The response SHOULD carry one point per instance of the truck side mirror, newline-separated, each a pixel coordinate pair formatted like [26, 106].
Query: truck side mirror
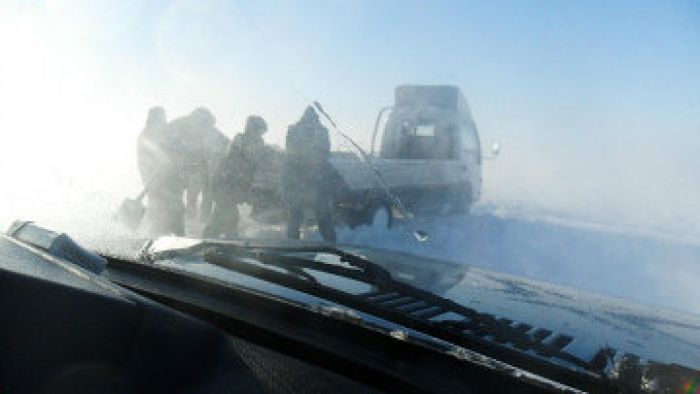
[494, 151]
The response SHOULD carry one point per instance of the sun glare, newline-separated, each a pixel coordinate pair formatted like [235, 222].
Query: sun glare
[57, 123]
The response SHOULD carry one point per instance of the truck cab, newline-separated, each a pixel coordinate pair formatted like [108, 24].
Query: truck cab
[431, 129]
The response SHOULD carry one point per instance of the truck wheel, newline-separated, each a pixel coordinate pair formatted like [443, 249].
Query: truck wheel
[379, 216]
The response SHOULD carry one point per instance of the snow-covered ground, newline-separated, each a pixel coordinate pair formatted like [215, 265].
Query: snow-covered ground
[629, 263]
[638, 266]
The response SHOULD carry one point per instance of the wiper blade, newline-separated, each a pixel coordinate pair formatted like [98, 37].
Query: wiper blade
[358, 268]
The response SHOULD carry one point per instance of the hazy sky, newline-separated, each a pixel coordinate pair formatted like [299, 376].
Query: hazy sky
[597, 104]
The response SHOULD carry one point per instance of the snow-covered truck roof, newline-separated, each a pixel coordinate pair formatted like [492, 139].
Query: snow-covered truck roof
[440, 96]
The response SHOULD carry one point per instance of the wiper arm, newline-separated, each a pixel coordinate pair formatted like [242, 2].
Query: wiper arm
[358, 268]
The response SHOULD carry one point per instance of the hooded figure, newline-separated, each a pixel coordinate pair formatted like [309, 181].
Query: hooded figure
[187, 134]
[151, 153]
[215, 145]
[233, 181]
[202, 123]
[307, 177]
[157, 158]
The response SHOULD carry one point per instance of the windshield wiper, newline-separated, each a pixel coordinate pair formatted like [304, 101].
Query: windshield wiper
[521, 345]
[356, 267]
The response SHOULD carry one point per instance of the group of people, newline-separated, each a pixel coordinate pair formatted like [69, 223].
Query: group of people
[189, 159]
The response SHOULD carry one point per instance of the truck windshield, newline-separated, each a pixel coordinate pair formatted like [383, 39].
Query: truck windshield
[427, 141]
[425, 130]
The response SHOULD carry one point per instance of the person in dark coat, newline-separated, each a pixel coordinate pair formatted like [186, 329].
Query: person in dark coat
[157, 158]
[151, 154]
[190, 132]
[233, 181]
[307, 179]
[215, 145]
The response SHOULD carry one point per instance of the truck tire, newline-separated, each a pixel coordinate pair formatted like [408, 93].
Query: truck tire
[379, 215]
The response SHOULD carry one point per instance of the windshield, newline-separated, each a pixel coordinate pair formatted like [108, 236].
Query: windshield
[520, 143]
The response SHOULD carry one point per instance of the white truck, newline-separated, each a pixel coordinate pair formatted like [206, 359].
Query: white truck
[429, 157]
